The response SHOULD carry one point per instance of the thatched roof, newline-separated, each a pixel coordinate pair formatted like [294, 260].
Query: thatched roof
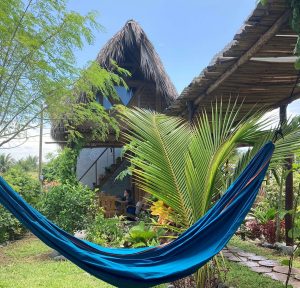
[131, 46]
[131, 49]
[257, 67]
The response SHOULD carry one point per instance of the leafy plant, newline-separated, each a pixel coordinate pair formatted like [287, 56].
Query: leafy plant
[70, 206]
[263, 212]
[264, 223]
[29, 189]
[27, 186]
[62, 167]
[29, 164]
[107, 231]
[163, 212]
[143, 236]
[6, 162]
[182, 164]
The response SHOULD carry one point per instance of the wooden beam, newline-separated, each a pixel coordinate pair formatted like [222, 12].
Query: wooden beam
[286, 101]
[289, 194]
[247, 55]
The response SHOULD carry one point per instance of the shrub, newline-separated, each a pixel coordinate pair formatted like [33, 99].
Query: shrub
[143, 236]
[70, 206]
[107, 231]
[62, 167]
[267, 230]
[29, 189]
[253, 229]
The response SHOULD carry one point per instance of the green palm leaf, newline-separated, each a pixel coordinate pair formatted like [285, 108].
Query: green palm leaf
[182, 164]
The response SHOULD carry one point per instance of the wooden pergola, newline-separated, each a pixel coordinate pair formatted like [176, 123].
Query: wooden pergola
[256, 67]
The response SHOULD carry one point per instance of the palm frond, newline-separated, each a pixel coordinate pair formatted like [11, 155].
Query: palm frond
[158, 143]
[182, 164]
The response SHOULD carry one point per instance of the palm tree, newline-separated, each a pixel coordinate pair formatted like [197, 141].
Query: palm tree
[30, 163]
[6, 161]
[181, 163]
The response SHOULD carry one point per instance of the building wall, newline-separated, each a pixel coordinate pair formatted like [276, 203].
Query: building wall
[87, 156]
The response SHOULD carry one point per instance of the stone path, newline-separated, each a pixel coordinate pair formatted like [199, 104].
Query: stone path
[262, 265]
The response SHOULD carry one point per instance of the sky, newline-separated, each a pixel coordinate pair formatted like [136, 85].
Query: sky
[186, 35]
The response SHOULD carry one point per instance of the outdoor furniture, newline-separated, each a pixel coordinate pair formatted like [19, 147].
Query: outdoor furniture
[121, 206]
[108, 203]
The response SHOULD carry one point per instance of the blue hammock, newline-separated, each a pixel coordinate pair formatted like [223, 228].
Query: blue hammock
[147, 267]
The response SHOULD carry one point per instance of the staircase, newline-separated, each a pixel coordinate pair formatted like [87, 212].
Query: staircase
[110, 185]
[103, 170]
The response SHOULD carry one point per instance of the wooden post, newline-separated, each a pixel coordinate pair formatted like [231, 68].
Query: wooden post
[191, 110]
[96, 173]
[41, 145]
[289, 195]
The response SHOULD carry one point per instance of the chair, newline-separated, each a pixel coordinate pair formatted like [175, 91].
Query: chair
[108, 203]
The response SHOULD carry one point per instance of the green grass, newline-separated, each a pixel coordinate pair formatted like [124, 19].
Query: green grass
[25, 263]
[242, 277]
[266, 252]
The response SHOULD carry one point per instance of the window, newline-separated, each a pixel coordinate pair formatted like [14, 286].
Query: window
[106, 103]
[124, 94]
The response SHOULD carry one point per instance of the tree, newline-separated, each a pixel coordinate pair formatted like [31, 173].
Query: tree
[183, 165]
[6, 162]
[30, 163]
[38, 68]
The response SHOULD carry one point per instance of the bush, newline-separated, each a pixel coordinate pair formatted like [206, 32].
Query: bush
[62, 167]
[29, 189]
[107, 231]
[143, 236]
[115, 232]
[70, 206]
[267, 230]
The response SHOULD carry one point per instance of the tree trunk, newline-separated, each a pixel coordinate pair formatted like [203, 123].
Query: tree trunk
[289, 196]
[289, 200]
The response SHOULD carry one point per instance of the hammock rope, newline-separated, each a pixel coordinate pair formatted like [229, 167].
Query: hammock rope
[147, 267]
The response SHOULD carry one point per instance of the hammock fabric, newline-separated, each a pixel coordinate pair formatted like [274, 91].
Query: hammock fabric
[147, 267]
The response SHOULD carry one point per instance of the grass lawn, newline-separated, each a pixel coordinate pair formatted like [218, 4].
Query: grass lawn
[25, 263]
[242, 277]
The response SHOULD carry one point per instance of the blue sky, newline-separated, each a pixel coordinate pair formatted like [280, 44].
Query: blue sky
[186, 35]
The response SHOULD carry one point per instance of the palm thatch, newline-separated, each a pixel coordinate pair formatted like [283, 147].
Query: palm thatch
[131, 45]
[131, 49]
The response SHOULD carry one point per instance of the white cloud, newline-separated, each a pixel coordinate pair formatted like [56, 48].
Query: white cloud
[20, 148]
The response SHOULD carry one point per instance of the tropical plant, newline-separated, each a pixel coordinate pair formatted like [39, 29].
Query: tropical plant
[6, 161]
[61, 167]
[182, 164]
[143, 236]
[164, 213]
[264, 223]
[30, 163]
[107, 231]
[263, 212]
[69, 205]
[29, 189]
